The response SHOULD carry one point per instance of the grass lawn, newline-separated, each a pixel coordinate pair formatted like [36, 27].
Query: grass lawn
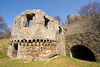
[55, 62]
[60, 61]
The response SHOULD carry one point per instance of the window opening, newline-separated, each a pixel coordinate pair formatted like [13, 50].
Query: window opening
[60, 30]
[30, 23]
[46, 21]
[30, 19]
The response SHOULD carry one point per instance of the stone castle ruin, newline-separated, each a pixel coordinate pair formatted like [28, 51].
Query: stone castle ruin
[36, 42]
[45, 38]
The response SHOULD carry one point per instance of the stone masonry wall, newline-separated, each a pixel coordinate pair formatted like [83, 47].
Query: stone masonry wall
[61, 43]
[89, 39]
[38, 50]
[35, 42]
[43, 26]
[85, 32]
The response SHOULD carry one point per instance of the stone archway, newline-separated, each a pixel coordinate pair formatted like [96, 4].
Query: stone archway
[82, 52]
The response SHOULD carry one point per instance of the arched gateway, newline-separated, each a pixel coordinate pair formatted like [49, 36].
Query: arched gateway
[82, 52]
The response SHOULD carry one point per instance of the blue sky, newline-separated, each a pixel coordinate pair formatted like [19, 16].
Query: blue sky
[11, 8]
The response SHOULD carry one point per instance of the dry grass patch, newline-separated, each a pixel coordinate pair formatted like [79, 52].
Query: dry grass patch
[61, 62]
[3, 42]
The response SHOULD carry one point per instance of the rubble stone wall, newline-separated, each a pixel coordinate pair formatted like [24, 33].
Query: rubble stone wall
[89, 39]
[35, 42]
[33, 49]
[86, 33]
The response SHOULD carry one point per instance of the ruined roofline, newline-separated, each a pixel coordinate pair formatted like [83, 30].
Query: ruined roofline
[35, 12]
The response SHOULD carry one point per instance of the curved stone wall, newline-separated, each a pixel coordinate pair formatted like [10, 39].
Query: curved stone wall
[85, 32]
[91, 40]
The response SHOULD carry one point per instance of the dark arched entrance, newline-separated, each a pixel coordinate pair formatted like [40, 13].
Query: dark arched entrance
[82, 52]
[15, 50]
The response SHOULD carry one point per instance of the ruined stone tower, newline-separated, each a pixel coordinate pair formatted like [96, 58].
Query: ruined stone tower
[35, 42]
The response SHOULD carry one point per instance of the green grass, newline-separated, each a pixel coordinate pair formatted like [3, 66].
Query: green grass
[3, 51]
[61, 61]
[8, 62]
[55, 62]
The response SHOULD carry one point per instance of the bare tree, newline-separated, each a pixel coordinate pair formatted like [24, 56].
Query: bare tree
[1, 19]
[60, 22]
[89, 9]
[3, 25]
[7, 32]
[95, 7]
[58, 18]
[4, 29]
[64, 23]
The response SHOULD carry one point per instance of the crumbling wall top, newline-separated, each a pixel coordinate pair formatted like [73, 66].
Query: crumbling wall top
[43, 26]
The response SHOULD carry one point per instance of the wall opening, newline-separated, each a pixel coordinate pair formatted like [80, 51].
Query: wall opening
[15, 50]
[44, 41]
[15, 40]
[37, 40]
[18, 40]
[29, 19]
[22, 41]
[47, 40]
[65, 30]
[41, 40]
[33, 40]
[83, 53]
[60, 30]
[30, 23]
[29, 41]
[46, 22]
